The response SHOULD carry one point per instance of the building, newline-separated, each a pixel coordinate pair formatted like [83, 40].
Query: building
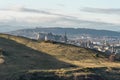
[52, 37]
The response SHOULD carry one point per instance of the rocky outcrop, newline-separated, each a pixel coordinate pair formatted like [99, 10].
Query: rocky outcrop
[1, 56]
[46, 76]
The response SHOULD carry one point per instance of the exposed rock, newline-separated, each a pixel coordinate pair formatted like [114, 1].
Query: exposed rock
[2, 60]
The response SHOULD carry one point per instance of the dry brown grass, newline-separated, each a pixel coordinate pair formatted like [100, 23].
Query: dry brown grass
[81, 57]
[67, 53]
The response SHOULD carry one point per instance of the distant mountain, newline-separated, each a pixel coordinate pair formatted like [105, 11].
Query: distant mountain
[71, 32]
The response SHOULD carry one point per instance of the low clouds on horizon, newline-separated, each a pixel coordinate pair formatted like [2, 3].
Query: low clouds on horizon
[102, 10]
[19, 16]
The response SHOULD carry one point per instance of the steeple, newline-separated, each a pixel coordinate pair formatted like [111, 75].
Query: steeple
[38, 36]
[65, 37]
[46, 38]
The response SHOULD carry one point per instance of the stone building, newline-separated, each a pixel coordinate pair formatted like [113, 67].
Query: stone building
[52, 37]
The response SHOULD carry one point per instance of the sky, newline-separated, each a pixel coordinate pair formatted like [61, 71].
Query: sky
[93, 14]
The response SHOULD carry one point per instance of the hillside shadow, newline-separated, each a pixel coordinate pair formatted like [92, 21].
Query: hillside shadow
[18, 58]
[27, 58]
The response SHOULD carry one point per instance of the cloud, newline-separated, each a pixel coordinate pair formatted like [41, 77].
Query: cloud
[24, 9]
[22, 14]
[29, 10]
[18, 16]
[102, 10]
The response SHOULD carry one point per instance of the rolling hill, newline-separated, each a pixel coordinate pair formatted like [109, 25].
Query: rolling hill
[25, 59]
[18, 57]
[71, 32]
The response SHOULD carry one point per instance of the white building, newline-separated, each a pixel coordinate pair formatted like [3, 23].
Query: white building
[52, 37]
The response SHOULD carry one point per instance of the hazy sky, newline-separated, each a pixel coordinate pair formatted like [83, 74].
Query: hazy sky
[97, 14]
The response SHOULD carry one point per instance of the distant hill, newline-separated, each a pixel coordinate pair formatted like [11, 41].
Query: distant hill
[71, 32]
[27, 59]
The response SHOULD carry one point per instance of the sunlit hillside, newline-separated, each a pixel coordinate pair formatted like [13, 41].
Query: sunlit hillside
[25, 59]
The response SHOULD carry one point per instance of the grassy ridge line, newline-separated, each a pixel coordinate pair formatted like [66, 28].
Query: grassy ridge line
[20, 58]
[22, 40]
[66, 53]
[18, 39]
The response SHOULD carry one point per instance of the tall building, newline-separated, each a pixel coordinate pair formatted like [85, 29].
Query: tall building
[41, 36]
[65, 38]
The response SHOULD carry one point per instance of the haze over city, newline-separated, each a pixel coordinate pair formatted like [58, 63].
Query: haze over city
[95, 14]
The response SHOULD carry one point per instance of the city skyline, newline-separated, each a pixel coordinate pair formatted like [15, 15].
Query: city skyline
[93, 14]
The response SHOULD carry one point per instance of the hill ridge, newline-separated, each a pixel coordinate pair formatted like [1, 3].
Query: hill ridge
[27, 59]
[71, 32]
[60, 51]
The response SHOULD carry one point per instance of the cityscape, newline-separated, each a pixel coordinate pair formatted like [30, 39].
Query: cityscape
[103, 44]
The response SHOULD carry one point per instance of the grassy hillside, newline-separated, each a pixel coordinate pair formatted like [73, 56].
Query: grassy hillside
[26, 59]
[66, 53]
[16, 57]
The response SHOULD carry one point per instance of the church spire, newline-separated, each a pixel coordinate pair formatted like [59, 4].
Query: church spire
[65, 37]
